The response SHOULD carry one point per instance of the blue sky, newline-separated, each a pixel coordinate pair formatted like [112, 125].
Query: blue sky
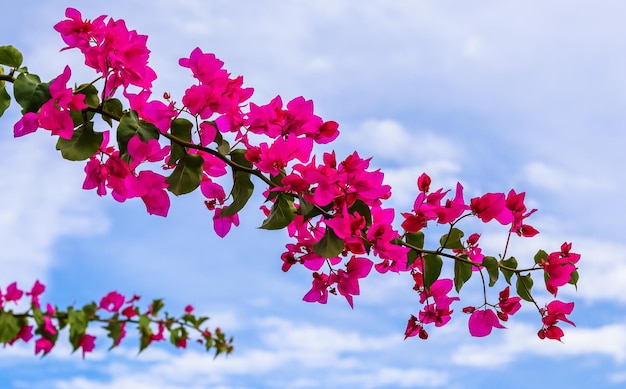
[496, 95]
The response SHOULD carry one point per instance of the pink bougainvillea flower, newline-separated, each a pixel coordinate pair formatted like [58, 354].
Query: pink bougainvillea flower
[13, 293]
[348, 280]
[37, 289]
[482, 321]
[491, 206]
[112, 302]
[77, 32]
[319, 289]
[43, 345]
[554, 312]
[508, 305]
[87, 344]
[27, 124]
[25, 333]
[222, 224]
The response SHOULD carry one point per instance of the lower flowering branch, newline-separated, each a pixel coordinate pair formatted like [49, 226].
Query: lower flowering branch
[114, 312]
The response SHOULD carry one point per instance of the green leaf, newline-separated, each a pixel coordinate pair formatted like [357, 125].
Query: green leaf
[362, 209]
[241, 192]
[540, 256]
[91, 94]
[5, 100]
[452, 240]
[282, 213]
[113, 107]
[510, 263]
[304, 207]
[224, 147]
[411, 256]
[574, 279]
[491, 264]
[30, 93]
[187, 175]
[145, 332]
[78, 326]
[114, 330]
[462, 274]
[129, 126]
[432, 269]
[415, 239]
[181, 129]
[156, 306]
[330, 245]
[9, 327]
[10, 56]
[524, 286]
[84, 143]
[238, 157]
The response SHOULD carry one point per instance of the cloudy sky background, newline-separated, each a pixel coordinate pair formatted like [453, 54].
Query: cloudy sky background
[496, 95]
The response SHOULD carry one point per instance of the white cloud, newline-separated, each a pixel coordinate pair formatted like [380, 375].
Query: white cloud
[42, 201]
[520, 340]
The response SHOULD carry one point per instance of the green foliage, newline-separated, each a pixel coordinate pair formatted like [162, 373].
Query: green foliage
[362, 209]
[330, 245]
[30, 93]
[282, 213]
[510, 263]
[10, 56]
[78, 322]
[84, 143]
[114, 330]
[9, 327]
[540, 256]
[112, 107]
[187, 175]
[452, 240]
[462, 273]
[491, 264]
[524, 286]
[181, 129]
[415, 239]
[432, 269]
[241, 193]
[129, 126]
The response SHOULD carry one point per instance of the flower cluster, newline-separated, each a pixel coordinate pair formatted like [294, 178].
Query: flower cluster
[114, 310]
[333, 210]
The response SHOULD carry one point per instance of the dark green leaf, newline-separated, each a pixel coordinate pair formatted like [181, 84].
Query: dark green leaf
[30, 93]
[510, 263]
[129, 126]
[330, 245]
[91, 94]
[411, 256]
[540, 256]
[362, 209]
[491, 264]
[432, 269]
[415, 239]
[452, 240]
[156, 306]
[9, 327]
[462, 274]
[181, 129]
[224, 147]
[5, 100]
[238, 157]
[144, 331]
[574, 279]
[187, 175]
[241, 192]
[78, 322]
[84, 143]
[10, 56]
[524, 286]
[114, 330]
[112, 107]
[282, 213]
[304, 207]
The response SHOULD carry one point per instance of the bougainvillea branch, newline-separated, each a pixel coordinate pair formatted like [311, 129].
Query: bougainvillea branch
[332, 210]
